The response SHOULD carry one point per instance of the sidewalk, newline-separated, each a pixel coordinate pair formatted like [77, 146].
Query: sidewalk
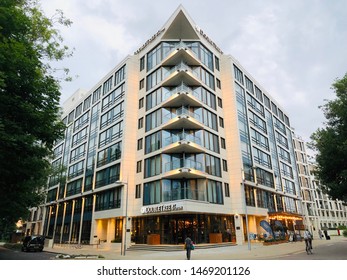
[238, 252]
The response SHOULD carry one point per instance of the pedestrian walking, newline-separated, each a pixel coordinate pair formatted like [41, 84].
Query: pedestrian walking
[320, 234]
[308, 241]
[188, 245]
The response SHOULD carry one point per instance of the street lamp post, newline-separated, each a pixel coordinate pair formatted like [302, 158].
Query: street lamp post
[124, 241]
[246, 211]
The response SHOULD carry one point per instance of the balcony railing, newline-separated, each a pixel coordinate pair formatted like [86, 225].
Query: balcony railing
[181, 112]
[183, 163]
[179, 89]
[182, 136]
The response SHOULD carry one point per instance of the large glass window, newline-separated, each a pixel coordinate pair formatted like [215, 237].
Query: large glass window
[74, 187]
[153, 142]
[76, 169]
[78, 153]
[79, 137]
[109, 199]
[151, 193]
[109, 154]
[112, 115]
[107, 176]
[214, 192]
[107, 85]
[204, 55]
[111, 134]
[152, 166]
[112, 98]
[260, 139]
[238, 75]
[119, 76]
[155, 56]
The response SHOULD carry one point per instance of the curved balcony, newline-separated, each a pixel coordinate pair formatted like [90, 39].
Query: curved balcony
[182, 118]
[183, 168]
[181, 52]
[182, 142]
[181, 73]
[182, 95]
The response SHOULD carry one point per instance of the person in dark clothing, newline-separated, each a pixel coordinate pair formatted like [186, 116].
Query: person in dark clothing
[188, 245]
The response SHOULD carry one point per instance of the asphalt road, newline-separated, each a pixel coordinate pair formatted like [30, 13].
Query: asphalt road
[6, 254]
[329, 251]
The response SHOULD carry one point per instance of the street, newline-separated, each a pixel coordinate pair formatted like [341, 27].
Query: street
[329, 251]
[7, 254]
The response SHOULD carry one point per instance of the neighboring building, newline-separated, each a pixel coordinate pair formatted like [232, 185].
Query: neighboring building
[170, 143]
[331, 213]
[321, 212]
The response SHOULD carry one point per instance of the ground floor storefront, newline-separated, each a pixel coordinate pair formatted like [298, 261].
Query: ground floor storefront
[173, 229]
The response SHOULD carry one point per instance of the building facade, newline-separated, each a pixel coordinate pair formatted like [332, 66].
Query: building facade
[178, 139]
[320, 211]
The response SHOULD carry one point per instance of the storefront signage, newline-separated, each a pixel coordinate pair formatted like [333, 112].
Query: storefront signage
[208, 39]
[149, 41]
[162, 208]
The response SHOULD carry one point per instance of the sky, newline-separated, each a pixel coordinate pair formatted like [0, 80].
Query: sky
[294, 49]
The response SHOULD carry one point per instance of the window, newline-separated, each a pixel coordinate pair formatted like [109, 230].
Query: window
[112, 115]
[112, 98]
[238, 75]
[220, 104]
[71, 117]
[152, 166]
[249, 85]
[222, 142]
[225, 165]
[96, 95]
[111, 134]
[119, 76]
[107, 85]
[142, 63]
[214, 192]
[221, 122]
[226, 190]
[109, 199]
[78, 110]
[139, 144]
[139, 166]
[153, 142]
[218, 83]
[151, 193]
[109, 154]
[141, 103]
[267, 102]
[138, 191]
[107, 176]
[87, 103]
[140, 123]
[216, 62]
[142, 84]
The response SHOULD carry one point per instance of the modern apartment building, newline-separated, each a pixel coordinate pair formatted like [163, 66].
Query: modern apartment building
[178, 139]
[320, 211]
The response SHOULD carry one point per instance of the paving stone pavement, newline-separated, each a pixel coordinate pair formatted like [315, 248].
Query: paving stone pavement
[237, 252]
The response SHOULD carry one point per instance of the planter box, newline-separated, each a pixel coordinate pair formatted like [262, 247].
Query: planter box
[153, 239]
[215, 237]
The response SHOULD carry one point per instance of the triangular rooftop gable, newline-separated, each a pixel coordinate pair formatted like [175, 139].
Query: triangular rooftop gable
[180, 26]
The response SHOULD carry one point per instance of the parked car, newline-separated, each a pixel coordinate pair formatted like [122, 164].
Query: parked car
[33, 243]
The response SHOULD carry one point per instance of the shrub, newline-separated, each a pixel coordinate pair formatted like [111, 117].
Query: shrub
[344, 233]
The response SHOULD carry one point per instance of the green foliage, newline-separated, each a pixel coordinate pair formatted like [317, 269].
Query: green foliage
[29, 104]
[344, 233]
[330, 143]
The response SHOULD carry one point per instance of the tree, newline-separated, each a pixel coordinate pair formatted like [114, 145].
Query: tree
[29, 104]
[330, 143]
